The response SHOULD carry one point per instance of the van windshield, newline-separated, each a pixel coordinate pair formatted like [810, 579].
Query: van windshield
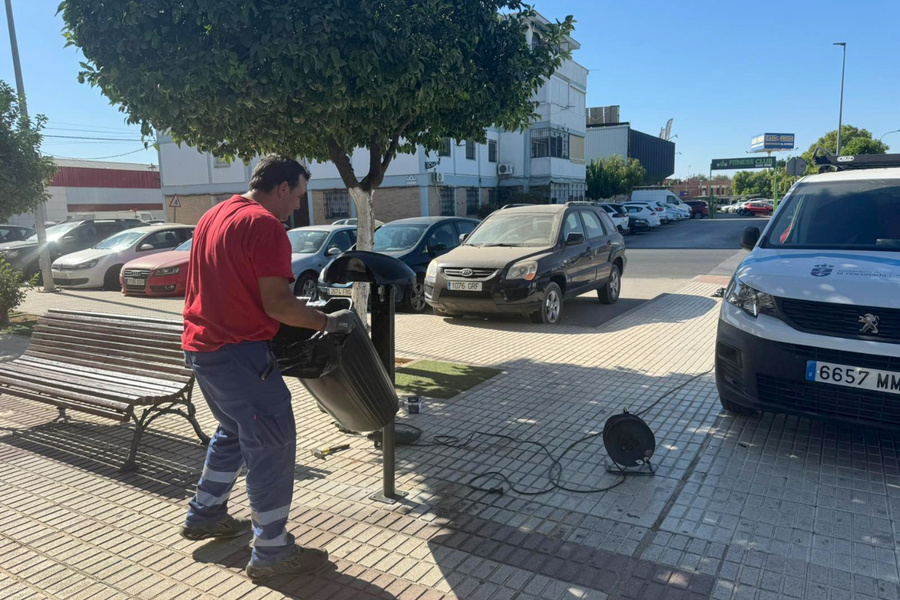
[851, 215]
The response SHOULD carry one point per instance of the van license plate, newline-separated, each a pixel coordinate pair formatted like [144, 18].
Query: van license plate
[464, 286]
[874, 380]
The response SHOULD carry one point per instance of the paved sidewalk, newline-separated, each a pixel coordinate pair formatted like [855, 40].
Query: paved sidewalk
[739, 508]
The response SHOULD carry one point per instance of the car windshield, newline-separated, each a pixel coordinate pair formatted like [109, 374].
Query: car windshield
[306, 241]
[55, 232]
[185, 245]
[515, 229]
[396, 238]
[123, 239]
[853, 215]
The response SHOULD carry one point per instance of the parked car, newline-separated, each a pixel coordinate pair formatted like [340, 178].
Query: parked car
[14, 233]
[101, 265]
[527, 261]
[619, 217]
[312, 248]
[353, 221]
[756, 207]
[62, 239]
[641, 217]
[416, 242]
[665, 197]
[163, 274]
[809, 321]
[662, 214]
[699, 208]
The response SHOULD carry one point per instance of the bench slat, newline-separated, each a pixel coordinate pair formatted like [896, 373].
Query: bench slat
[75, 351]
[106, 347]
[133, 367]
[28, 384]
[104, 374]
[86, 408]
[157, 324]
[84, 382]
[141, 338]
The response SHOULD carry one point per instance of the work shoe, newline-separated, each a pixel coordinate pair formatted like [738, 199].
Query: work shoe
[301, 562]
[229, 527]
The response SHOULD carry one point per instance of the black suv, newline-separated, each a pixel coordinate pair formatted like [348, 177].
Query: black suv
[527, 260]
[62, 238]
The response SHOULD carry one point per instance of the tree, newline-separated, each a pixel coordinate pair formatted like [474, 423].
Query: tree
[318, 78]
[612, 175]
[759, 183]
[24, 175]
[853, 141]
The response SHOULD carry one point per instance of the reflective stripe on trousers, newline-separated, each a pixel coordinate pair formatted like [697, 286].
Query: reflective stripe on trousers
[248, 397]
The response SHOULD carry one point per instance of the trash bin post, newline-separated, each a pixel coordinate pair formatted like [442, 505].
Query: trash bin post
[383, 340]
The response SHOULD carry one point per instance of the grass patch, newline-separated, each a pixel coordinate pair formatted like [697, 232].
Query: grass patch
[20, 324]
[435, 379]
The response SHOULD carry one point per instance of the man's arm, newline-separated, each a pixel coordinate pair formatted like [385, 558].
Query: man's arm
[280, 303]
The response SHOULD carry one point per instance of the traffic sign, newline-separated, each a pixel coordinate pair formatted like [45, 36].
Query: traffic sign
[796, 166]
[756, 162]
[174, 202]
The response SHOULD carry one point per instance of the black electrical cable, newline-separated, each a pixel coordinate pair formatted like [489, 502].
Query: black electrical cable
[554, 470]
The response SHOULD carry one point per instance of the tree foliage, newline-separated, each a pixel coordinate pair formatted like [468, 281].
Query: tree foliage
[612, 175]
[759, 183]
[853, 141]
[13, 289]
[24, 174]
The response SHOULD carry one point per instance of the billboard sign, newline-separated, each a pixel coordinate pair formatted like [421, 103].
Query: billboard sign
[772, 141]
[755, 162]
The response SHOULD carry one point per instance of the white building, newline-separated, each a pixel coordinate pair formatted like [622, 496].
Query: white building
[544, 163]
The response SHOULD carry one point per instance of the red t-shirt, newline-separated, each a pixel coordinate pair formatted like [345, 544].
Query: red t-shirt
[235, 243]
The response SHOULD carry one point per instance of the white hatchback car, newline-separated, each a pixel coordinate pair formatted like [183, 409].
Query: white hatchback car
[99, 266]
[642, 216]
[810, 324]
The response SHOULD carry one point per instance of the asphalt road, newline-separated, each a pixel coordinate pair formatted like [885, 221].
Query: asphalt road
[665, 259]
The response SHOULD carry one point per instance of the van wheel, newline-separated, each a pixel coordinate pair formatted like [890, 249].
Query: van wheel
[111, 279]
[550, 312]
[609, 293]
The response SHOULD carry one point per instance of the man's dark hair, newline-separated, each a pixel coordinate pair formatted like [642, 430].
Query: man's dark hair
[274, 169]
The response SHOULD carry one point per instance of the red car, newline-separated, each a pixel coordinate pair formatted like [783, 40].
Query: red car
[162, 274]
[698, 208]
[757, 208]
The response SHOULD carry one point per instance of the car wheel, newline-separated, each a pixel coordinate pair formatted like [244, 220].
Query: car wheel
[695, 215]
[737, 409]
[111, 279]
[414, 297]
[551, 309]
[609, 293]
[305, 287]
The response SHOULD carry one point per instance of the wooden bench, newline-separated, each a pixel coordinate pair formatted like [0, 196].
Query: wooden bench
[120, 367]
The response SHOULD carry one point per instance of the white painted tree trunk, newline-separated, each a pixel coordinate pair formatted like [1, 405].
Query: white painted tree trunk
[365, 231]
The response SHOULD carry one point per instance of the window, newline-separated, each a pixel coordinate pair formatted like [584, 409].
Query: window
[465, 227]
[492, 151]
[592, 225]
[472, 200]
[546, 142]
[162, 240]
[576, 148]
[341, 241]
[448, 201]
[572, 224]
[220, 163]
[492, 196]
[337, 204]
[470, 150]
[446, 145]
[443, 238]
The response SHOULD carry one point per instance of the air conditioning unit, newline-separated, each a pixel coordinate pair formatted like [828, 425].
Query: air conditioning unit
[504, 169]
[437, 177]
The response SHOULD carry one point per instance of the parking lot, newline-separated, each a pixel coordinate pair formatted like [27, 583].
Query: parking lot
[739, 507]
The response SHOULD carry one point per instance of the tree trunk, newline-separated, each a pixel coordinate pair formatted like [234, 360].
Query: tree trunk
[4, 317]
[365, 231]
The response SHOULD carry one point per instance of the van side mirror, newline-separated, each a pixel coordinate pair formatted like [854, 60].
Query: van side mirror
[573, 239]
[749, 237]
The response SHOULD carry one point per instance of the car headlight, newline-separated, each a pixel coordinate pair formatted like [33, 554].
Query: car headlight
[86, 265]
[431, 271]
[750, 300]
[167, 271]
[527, 270]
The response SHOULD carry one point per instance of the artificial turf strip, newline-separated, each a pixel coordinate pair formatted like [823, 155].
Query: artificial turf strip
[435, 379]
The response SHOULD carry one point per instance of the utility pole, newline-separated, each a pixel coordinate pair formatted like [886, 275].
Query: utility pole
[841, 108]
[44, 252]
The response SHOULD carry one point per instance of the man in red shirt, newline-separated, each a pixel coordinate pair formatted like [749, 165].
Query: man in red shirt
[238, 292]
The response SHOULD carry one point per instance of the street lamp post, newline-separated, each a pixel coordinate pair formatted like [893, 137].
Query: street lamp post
[43, 251]
[843, 45]
[884, 134]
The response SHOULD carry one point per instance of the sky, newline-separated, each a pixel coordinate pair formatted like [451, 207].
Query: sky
[723, 71]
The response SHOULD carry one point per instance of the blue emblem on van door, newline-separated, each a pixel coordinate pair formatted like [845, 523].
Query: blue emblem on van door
[821, 270]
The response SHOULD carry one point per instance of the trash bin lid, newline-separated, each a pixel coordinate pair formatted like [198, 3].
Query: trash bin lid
[359, 265]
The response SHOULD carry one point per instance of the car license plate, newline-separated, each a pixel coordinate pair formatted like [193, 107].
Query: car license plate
[875, 380]
[347, 291]
[135, 281]
[464, 286]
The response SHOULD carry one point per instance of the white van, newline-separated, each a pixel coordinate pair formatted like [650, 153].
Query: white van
[664, 195]
[810, 323]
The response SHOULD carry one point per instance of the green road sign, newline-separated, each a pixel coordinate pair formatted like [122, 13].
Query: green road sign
[756, 162]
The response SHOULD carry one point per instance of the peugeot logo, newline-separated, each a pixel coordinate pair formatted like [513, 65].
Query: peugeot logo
[467, 272]
[870, 323]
